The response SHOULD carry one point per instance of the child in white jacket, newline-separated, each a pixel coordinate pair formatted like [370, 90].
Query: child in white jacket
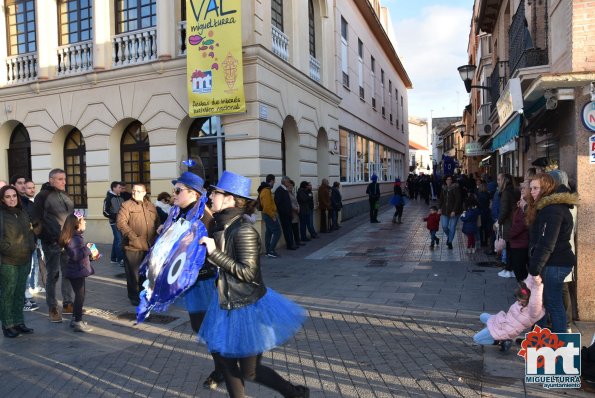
[505, 326]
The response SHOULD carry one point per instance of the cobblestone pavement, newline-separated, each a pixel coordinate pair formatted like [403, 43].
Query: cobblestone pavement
[388, 318]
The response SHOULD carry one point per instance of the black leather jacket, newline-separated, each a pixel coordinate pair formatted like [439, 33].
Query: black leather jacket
[238, 258]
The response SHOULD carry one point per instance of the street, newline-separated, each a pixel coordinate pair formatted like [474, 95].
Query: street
[388, 318]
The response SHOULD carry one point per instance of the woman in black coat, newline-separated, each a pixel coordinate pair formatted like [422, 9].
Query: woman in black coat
[17, 243]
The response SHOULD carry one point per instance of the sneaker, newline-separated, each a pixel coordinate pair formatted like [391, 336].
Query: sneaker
[30, 305]
[72, 322]
[67, 309]
[214, 379]
[449, 245]
[503, 274]
[54, 315]
[431, 246]
[437, 241]
[114, 262]
[82, 327]
[473, 250]
[121, 262]
[272, 255]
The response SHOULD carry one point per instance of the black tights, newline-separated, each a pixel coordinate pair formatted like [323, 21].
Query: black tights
[78, 287]
[196, 319]
[236, 370]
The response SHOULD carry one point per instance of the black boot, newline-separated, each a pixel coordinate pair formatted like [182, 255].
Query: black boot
[22, 328]
[214, 379]
[10, 332]
[505, 345]
[301, 392]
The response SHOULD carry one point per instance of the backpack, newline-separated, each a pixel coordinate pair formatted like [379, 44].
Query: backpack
[258, 203]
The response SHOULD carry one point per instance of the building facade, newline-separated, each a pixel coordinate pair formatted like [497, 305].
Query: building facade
[535, 65]
[100, 90]
[420, 155]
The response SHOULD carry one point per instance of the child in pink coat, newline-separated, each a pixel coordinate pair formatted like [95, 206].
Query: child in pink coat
[505, 326]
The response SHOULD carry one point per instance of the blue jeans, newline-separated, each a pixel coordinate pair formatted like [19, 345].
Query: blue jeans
[117, 253]
[33, 278]
[433, 237]
[449, 226]
[306, 221]
[553, 281]
[272, 233]
[55, 264]
[484, 337]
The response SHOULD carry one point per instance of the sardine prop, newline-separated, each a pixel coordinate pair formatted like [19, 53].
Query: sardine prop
[173, 263]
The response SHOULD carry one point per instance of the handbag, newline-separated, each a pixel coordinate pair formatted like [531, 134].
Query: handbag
[500, 243]
[207, 271]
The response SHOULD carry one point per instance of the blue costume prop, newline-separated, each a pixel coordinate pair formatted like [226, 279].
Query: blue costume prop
[173, 263]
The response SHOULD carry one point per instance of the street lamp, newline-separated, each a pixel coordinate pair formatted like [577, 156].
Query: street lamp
[467, 72]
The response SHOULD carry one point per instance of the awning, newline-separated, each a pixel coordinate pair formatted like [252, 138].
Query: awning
[415, 146]
[507, 132]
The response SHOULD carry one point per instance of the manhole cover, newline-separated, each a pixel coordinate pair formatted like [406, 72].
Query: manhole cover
[376, 263]
[488, 264]
[153, 318]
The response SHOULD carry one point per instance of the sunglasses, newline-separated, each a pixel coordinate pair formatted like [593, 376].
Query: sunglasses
[177, 190]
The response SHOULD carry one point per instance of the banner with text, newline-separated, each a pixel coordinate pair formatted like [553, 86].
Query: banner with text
[214, 57]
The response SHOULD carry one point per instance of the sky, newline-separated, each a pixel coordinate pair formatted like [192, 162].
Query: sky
[432, 38]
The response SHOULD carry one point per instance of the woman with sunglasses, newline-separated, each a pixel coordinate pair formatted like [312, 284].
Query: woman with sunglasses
[245, 318]
[187, 191]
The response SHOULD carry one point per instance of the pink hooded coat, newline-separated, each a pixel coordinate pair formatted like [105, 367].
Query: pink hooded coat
[508, 325]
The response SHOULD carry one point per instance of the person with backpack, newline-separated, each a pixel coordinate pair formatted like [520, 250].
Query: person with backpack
[111, 206]
[373, 192]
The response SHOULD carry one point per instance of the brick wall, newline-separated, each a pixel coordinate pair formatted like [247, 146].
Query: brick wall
[583, 31]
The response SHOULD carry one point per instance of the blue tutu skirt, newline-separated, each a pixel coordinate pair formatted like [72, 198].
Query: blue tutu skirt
[198, 297]
[253, 329]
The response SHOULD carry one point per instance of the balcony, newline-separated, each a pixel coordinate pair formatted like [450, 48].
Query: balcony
[280, 44]
[498, 80]
[75, 59]
[483, 119]
[314, 69]
[523, 51]
[182, 38]
[21, 68]
[134, 48]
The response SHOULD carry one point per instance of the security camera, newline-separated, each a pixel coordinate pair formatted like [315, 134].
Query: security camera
[592, 91]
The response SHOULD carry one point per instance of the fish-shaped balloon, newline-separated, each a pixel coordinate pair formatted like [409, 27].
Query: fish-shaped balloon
[173, 263]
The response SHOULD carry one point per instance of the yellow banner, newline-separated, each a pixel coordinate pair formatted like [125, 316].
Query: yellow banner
[214, 57]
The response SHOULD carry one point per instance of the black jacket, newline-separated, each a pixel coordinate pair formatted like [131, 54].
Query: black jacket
[238, 258]
[305, 199]
[283, 202]
[507, 208]
[52, 206]
[336, 199]
[549, 235]
[17, 241]
[451, 200]
[111, 206]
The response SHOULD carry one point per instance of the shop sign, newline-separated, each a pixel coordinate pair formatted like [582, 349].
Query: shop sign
[508, 147]
[510, 101]
[592, 149]
[588, 116]
[474, 149]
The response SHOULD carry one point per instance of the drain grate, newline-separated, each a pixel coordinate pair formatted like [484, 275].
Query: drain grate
[376, 263]
[153, 318]
[106, 314]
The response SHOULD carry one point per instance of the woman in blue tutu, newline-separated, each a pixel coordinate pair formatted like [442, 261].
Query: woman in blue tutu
[245, 318]
[188, 189]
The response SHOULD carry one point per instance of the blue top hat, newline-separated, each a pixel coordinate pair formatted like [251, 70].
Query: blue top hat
[397, 179]
[374, 177]
[234, 184]
[192, 181]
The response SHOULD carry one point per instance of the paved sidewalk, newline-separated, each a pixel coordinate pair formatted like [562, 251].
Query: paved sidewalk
[388, 318]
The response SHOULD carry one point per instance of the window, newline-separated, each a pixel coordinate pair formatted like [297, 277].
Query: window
[402, 115]
[397, 101]
[75, 166]
[203, 139]
[76, 21]
[134, 149]
[19, 152]
[21, 26]
[382, 91]
[360, 67]
[373, 77]
[135, 15]
[311, 29]
[360, 157]
[344, 52]
[277, 14]
[390, 99]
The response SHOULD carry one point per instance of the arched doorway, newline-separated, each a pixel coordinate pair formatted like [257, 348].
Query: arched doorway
[322, 157]
[290, 149]
[207, 148]
[75, 165]
[19, 152]
[135, 155]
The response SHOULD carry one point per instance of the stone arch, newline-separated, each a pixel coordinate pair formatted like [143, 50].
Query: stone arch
[57, 146]
[6, 130]
[322, 154]
[290, 148]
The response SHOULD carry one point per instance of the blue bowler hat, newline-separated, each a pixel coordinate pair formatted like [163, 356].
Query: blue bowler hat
[192, 181]
[234, 184]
